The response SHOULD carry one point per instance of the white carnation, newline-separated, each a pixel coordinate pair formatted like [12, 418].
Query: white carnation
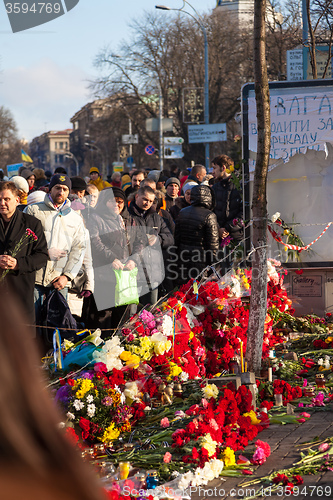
[167, 325]
[183, 377]
[78, 405]
[91, 410]
[70, 415]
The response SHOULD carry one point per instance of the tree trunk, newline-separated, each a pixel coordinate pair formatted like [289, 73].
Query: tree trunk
[312, 44]
[258, 302]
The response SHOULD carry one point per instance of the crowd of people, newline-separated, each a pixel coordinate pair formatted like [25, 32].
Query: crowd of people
[86, 237]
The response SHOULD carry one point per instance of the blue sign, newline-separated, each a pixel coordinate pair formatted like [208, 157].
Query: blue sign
[130, 159]
[150, 150]
[13, 169]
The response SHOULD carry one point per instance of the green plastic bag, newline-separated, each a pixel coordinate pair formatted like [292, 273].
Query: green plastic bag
[126, 287]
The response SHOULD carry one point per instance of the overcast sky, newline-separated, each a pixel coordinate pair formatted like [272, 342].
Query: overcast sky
[45, 71]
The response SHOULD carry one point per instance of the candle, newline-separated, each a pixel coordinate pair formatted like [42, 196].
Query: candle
[278, 399]
[246, 366]
[242, 357]
[270, 374]
[124, 468]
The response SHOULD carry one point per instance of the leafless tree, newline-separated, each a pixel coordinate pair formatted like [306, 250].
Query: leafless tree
[10, 146]
[258, 303]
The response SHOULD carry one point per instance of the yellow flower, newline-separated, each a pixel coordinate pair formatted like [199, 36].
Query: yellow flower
[162, 347]
[175, 370]
[253, 417]
[125, 355]
[130, 359]
[110, 434]
[67, 344]
[84, 385]
[229, 457]
[191, 335]
[210, 391]
[207, 442]
[328, 340]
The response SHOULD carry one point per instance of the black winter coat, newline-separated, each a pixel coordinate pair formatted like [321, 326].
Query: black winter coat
[152, 224]
[197, 233]
[228, 207]
[180, 203]
[30, 258]
[112, 237]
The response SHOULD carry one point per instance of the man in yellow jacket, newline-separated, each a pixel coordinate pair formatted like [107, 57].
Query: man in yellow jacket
[96, 179]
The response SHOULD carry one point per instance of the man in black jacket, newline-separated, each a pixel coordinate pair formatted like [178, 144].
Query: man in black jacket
[158, 237]
[21, 254]
[196, 235]
[229, 206]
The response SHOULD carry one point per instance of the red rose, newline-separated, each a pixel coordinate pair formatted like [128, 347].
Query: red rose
[85, 426]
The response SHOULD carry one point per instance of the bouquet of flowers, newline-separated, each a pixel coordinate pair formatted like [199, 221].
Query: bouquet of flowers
[27, 237]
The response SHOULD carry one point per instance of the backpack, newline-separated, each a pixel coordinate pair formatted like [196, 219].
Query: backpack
[55, 313]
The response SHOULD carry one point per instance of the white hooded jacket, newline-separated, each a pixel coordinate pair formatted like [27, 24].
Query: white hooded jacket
[64, 230]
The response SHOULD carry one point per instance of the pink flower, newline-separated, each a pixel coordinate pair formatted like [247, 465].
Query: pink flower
[204, 403]
[100, 367]
[167, 458]
[259, 457]
[319, 399]
[213, 424]
[323, 447]
[301, 420]
[264, 446]
[300, 405]
[165, 422]
[305, 415]
[130, 337]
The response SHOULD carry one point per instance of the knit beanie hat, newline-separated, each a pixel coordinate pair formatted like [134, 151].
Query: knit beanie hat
[189, 185]
[26, 173]
[172, 180]
[78, 183]
[60, 179]
[20, 183]
[154, 175]
[94, 169]
[119, 193]
[35, 197]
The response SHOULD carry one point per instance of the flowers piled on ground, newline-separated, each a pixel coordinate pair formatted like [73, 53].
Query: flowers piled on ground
[94, 404]
[193, 335]
[205, 435]
[286, 482]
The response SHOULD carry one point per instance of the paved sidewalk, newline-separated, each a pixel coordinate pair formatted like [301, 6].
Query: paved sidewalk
[282, 440]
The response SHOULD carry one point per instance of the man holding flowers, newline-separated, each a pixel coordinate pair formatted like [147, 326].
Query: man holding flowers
[23, 248]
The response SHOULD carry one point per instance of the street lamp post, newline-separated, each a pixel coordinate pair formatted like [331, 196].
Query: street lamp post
[72, 157]
[200, 22]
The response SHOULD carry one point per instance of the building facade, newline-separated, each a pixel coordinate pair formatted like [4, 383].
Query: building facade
[49, 150]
